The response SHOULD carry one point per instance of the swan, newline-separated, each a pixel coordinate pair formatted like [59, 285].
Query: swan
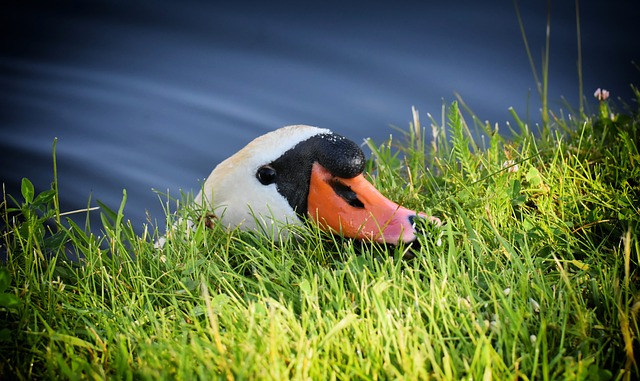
[298, 174]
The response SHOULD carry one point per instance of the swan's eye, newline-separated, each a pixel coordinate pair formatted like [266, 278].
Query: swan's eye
[266, 175]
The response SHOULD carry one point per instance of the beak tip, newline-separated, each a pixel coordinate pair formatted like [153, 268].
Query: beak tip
[434, 220]
[412, 235]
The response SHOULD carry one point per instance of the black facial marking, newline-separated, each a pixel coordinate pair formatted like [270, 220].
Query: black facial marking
[347, 194]
[339, 155]
[266, 175]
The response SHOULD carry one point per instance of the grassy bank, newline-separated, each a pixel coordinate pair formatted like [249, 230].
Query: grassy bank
[534, 276]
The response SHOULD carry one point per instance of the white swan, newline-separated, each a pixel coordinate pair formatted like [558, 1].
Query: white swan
[299, 173]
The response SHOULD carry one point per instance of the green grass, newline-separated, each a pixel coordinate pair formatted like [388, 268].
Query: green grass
[534, 276]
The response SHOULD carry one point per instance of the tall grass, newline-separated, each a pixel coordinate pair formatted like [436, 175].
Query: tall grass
[534, 275]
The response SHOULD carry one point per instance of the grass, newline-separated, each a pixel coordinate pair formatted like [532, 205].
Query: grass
[534, 276]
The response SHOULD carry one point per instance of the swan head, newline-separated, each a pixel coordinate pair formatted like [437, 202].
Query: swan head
[300, 174]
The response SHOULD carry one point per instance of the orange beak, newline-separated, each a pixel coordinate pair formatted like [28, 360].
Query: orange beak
[354, 208]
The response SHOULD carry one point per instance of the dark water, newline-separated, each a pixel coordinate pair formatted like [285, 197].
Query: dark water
[151, 95]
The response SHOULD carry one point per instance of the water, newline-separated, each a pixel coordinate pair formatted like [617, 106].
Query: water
[152, 95]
